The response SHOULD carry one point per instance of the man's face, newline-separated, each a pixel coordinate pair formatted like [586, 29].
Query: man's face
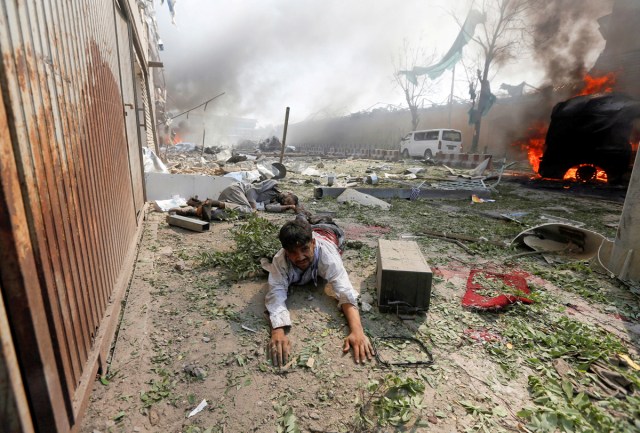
[302, 255]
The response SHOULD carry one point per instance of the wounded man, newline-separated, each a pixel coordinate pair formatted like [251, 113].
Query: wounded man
[309, 252]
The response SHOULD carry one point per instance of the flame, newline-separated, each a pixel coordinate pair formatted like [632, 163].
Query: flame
[176, 139]
[573, 175]
[534, 144]
[601, 84]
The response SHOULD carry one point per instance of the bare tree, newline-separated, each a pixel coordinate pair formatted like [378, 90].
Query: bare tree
[414, 91]
[499, 38]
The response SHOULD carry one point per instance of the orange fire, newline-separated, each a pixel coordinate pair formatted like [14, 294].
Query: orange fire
[586, 173]
[176, 139]
[534, 144]
[601, 84]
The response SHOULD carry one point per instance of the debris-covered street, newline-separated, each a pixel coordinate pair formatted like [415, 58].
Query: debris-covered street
[191, 351]
[325, 217]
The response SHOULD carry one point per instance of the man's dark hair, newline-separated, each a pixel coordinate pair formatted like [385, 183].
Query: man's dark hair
[295, 233]
[283, 195]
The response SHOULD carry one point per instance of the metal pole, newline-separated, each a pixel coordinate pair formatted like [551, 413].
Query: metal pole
[622, 257]
[284, 134]
[453, 76]
[204, 127]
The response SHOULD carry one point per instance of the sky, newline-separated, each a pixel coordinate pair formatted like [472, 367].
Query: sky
[320, 58]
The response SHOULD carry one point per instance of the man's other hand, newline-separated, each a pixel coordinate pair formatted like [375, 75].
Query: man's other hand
[362, 348]
[279, 348]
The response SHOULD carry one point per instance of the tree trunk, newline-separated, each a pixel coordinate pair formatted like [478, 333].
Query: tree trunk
[414, 118]
[485, 93]
[476, 135]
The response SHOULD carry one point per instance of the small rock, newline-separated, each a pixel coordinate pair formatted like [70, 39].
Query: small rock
[366, 297]
[166, 251]
[153, 417]
[137, 429]
[179, 266]
[432, 419]
[314, 415]
[314, 426]
[206, 339]
[195, 371]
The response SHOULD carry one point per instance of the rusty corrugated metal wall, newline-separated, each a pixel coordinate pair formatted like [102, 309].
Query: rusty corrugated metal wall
[71, 193]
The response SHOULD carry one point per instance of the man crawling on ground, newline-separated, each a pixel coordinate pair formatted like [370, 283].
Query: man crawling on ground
[309, 252]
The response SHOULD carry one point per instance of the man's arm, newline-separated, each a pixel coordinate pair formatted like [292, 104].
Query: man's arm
[356, 339]
[332, 269]
[275, 301]
[252, 196]
[277, 207]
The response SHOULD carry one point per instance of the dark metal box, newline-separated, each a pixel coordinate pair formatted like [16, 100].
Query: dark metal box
[403, 277]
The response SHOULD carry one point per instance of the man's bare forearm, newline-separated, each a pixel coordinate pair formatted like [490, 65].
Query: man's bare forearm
[356, 340]
[353, 317]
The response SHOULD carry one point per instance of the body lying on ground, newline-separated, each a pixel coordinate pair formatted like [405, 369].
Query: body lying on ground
[243, 198]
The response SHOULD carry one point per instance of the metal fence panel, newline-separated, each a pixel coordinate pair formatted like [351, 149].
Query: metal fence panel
[72, 206]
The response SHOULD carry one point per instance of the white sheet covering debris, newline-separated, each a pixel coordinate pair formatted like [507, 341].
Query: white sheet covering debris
[175, 201]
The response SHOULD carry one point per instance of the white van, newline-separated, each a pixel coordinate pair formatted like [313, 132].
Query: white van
[427, 143]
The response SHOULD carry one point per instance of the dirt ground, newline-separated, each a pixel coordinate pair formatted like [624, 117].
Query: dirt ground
[190, 334]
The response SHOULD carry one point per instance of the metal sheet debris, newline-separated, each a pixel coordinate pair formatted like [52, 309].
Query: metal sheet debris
[188, 223]
[579, 243]
[405, 193]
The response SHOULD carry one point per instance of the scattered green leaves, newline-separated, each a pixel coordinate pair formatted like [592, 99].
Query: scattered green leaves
[286, 421]
[390, 401]
[256, 238]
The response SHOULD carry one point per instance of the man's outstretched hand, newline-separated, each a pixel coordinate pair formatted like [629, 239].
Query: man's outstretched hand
[362, 348]
[279, 348]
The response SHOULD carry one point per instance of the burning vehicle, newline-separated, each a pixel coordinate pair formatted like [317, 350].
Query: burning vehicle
[589, 138]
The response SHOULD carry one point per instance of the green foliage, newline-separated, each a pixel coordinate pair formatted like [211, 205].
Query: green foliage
[540, 336]
[483, 416]
[254, 239]
[286, 421]
[562, 337]
[561, 408]
[584, 283]
[391, 401]
[161, 389]
[309, 352]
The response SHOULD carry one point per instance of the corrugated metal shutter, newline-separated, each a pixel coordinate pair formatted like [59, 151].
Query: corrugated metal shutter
[69, 224]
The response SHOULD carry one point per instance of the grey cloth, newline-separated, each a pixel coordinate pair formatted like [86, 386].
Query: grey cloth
[240, 196]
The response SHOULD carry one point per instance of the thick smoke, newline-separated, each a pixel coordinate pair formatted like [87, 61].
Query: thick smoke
[566, 37]
[327, 57]
[566, 42]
